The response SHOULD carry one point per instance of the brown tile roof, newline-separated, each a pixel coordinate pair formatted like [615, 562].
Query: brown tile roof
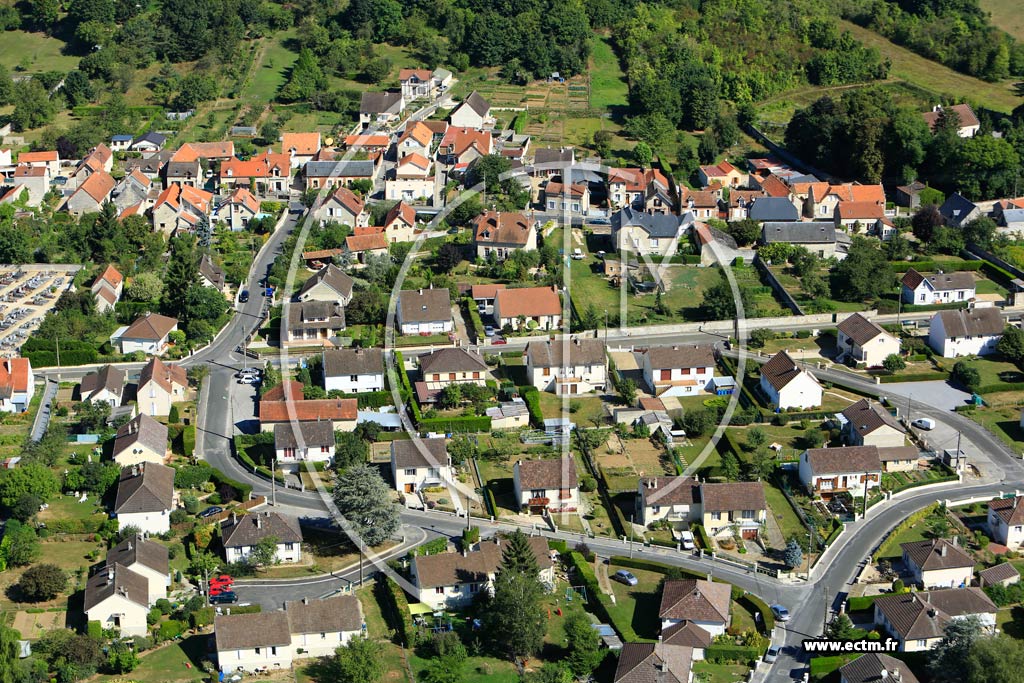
[407, 453]
[346, 362]
[247, 530]
[846, 459]
[552, 354]
[192, 151]
[924, 615]
[718, 170]
[420, 74]
[651, 403]
[686, 634]
[528, 302]
[277, 393]
[869, 668]
[741, 495]
[869, 416]
[349, 199]
[372, 242]
[937, 553]
[452, 360]
[940, 282]
[695, 600]
[144, 430]
[367, 140]
[302, 144]
[557, 189]
[98, 186]
[496, 227]
[477, 103]
[485, 291]
[333, 277]
[314, 434]
[860, 329]
[29, 171]
[963, 111]
[146, 487]
[976, 322]
[151, 327]
[37, 157]
[780, 370]
[318, 254]
[653, 663]
[248, 631]
[670, 490]
[635, 179]
[108, 377]
[342, 613]
[245, 198]
[998, 573]
[549, 473]
[460, 140]
[424, 305]
[212, 272]
[774, 187]
[419, 133]
[450, 569]
[138, 549]
[681, 356]
[402, 211]
[166, 375]
[1010, 510]
[114, 579]
[860, 210]
[340, 409]
[890, 453]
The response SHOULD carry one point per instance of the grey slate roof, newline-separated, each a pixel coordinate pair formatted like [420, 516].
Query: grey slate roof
[183, 169]
[1011, 216]
[924, 615]
[341, 613]
[248, 530]
[146, 487]
[550, 354]
[670, 490]
[340, 169]
[424, 305]
[314, 434]
[407, 453]
[868, 669]
[333, 277]
[151, 137]
[816, 232]
[477, 103]
[998, 573]
[956, 208]
[347, 362]
[108, 377]
[380, 102]
[735, 495]
[142, 551]
[977, 322]
[248, 631]
[654, 224]
[143, 430]
[773, 209]
[212, 272]
[114, 579]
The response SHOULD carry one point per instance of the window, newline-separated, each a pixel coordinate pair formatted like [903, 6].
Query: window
[353, 378]
[289, 546]
[922, 643]
[686, 371]
[325, 449]
[748, 514]
[273, 650]
[656, 509]
[257, 650]
[716, 516]
[537, 493]
[410, 472]
[323, 636]
[473, 587]
[439, 590]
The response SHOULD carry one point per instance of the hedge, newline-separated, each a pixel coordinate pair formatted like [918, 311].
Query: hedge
[531, 396]
[914, 377]
[471, 423]
[219, 478]
[657, 567]
[1000, 275]
[95, 630]
[702, 536]
[924, 482]
[822, 666]
[395, 608]
[561, 546]
[718, 654]
[597, 601]
[406, 387]
[861, 603]
[903, 526]
[474, 320]
[925, 266]
[491, 502]
[755, 603]
[373, 399]
[188, 440]
[836, 531]
[433, 546]
[75, 526]
[1000, 386]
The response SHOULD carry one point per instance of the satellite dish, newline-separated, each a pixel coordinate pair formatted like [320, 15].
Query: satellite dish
[328, 142]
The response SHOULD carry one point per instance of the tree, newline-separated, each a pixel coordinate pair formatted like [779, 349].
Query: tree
[448, 256]
[19, 545]
[26, 507]
[450, 397]
[42, 582]
[966, 375]
[305, 79]
[897, 248]
[925, 221]
[863, 274]
[793, 555]
[9, 653]
[146, 287]
[77, 88]
[730, 466]
[264, 553]
[893, 363]
[698, 421]
[182, 273]
[995, 658]
[32, 105]
[359, 661]
[627, 391]
[203, 564]
[364, 500]
[759, 337]
[517, 619]
[841, 628]
[584, 644]
[643, 154]
[745, 232]
[603, 143]
[948, 660]
[980, 231]
[756, 438]
[32, 478]
[718, 303]
[1011, 344]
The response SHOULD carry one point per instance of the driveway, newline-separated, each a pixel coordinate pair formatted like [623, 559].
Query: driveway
[938, 394]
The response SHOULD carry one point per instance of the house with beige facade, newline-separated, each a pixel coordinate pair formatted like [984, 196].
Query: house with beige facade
[867, 423]
[118, 599]
[733, 508]
[146, 558]
[161, 385]
[546, 486]
[938, 563]
[1006, 521]
[145, 498]
[676, 499]
[918, 620]
[142, 439]
[567, 366]
[679, 370]
[865, 342]
[420, 463]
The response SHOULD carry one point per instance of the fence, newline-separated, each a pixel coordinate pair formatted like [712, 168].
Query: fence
[774, 283]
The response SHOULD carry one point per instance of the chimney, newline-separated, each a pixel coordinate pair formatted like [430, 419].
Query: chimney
[110, 575]
[142, 468]
[896, 675]
[135, 470]
[259, 522]
[932, 613]
[234, 518]
[945, 550]
[884, 675]
[129, 546]
[305, 601]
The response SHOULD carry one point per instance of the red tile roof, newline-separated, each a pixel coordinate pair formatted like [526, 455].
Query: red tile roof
[528, 301]
[369, 242]
[302, 144]
[306, 411]
[262, 166]
[98, 186]
[38, 157]
[402, 211]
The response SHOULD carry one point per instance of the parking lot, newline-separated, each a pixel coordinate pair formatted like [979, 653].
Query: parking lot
[27, 293]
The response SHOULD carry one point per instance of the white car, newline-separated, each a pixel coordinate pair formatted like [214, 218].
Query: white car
[925, 423]
[249, 379]
[687, 540]
[489, 330]
[577, 254]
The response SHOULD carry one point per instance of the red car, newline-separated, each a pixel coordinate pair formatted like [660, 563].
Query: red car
[223, 581]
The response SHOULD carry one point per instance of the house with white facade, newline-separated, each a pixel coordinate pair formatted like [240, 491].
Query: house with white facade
[939, 288]
[161, 385]
[676, 499]
[679, 370]
[966, 332]
[353, 371]
[501, 233]
[546, 486]
[142, 439]
[656, 234]
[918, 620]
[442, 367]
[105, 384]
[703, 603]
[420, 463]
[567, 366]
[149, 334]
[1006, 521]
[145, 498]
[938, 563]
[241, 533]
[107, 289]
[786, 385]
[299, 442]
[424, 311]
[118, 599]
[532, 308]
[343, 206]
[865, 341]
[875, 668]
[146, 558]
[472, 112]
[825, 472]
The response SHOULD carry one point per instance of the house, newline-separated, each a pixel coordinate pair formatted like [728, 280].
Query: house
[300, 147]
[17, 384]
[240, 534]
[876, 668]
[702, 204]
[184, 173]
[329, 283]
[161, 385]
[770, 185]
[299, 442]
[413, 181]
[313, 323]
[574, 197]
[959, 211]
[739, 203]
[535, 308]
[660, 662]
[472, 112]
[118, 599]
[865, 341]
[938, 563]
[120, 143]
[181, 208]
[369, 143]
[722, 174]
[148, 143]
[655, 234]
[867, 423]
[211, 275]
[484, 297]
[899, 458]
[149, 334]
[380, 108]
[1006, 521]
[498, 233]
[682, 370]
[343, 206]
[309, 628]
[424, 311]
[551, 162]
[546, 486]
[416, 139]
[703, 603]
[965, 332]
[676, 499]
[145, 498]
[420, 463]
[99, 158]
[416, 83]
[630, 186]
[786, 385]
[142, 439]
[91, 194]
[567, 366]
[148, 559]
[452, 580]
[819, 238]
[773, 210]
[968, 124]
[107, 289]
[734, 507]
[825, 472]
[509, 414]
[361, 246]
[859, 216]
[239, 209]
[918, 620]
[400, 223]
[940, 288]
[353, 371]
[264, 174]
[35, 179]
[463, 145]
[50, 160]
[328, 174]
[443, 367]
[1004, 574]
[105, 384]
[221, 150]
[341, 412]
[134, 189]
[910, 195]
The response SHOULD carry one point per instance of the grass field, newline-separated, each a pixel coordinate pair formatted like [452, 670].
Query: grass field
[1006, 15]
[608, 86]
[168, 664]
[36, 52]
[933, 76]
[637, 605]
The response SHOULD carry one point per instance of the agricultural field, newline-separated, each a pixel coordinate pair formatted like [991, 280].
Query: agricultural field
[1006, 15]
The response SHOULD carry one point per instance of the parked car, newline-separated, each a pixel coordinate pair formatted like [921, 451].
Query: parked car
[925, 423]
[489, 330]
[243, 296]
[687, 540]
[219, 590]
[222, 580]
[225, 598]
[577, 254]
[249, 379]
[772, 654]
[780, 612]
[623, 576]
[211, 511]
[496, 341]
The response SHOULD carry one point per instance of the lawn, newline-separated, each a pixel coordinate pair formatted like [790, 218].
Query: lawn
[608, 87]
[890, 548]
[272, 70]
[36, 52]
[638, 605]
[1001, 415]
[1010, 620]
[168, 664]
[933, 76]
[589, 410]
[992, 369]
[720, 673]
[785, 516]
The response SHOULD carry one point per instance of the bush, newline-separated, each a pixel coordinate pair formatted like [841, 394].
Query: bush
[179, 516]
[42, 582]
[169, 629]
[172, 416]
[470, 424]
[94, 630]
[395, 608]
[721, 654]
[213, 499]
[588, 484]
[531, 397]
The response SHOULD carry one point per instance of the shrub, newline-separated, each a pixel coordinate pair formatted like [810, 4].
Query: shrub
[588, 484]
[213, 499]
[169, 629]
[178, 516]
[172, 416]
[95, 630]
[42, 582]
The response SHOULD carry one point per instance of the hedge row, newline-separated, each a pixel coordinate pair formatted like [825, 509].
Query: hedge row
[491, 502]
[252, 464]
[932, 266]
[219, 478]
[861, 603]
[702, 536]
[474, 319]
[188, 440]
[531, 396]
[907, 523]
[925, 482]
[755, 603]
[1000, 386]
[204, 615]
[395, 607]
[406, 387]
[557, 544]
[597, 601]
[719, 654]
[373, 399]
[470, 423]
[914, 377]
[822, 666]
[90, 525]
